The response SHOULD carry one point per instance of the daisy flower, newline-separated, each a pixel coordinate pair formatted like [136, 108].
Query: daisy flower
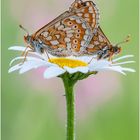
[70, 69]
[57, 66]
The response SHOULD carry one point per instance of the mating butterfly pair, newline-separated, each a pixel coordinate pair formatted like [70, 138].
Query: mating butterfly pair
[75, 32]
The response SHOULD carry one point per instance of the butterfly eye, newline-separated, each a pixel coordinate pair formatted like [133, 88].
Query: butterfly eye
[75, 41]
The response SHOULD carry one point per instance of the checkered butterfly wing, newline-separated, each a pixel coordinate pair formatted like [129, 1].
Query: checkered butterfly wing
[70, 33]
[68, 36]
[99, 44]
[88, 11]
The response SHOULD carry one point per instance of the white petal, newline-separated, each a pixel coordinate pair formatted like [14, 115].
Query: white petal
[77, 69]
[84, 69]
[14, 68]
[53, 72]
[126, 62]
[86, 59]
[28, 65]
[115, 68]
[22, 49]
[98, 64]
[17, 48]
[36, 54]
[123, 57]
[27, 58]
[16, 58]
[128, 69]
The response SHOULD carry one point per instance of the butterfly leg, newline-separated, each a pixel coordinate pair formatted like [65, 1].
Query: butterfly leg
[47, 55]
[25, 55]
[97, 58]
[111, 58]
[26, 50]
[90, 60]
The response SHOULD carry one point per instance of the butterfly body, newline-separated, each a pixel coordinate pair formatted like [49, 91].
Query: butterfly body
[101, 46]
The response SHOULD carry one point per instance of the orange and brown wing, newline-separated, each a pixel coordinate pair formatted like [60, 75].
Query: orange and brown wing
[88, 11]
[69, 36]
[71, 32]
[98, 42]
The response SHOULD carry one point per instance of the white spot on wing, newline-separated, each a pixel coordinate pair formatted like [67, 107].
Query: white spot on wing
[91, 10]
[67, 39]
[69, 46]
[87, 19]
[49, 38]
[91, 46]
[70, 31]
[87, 31]
[82, 43]
[72, 18]
[78, 21]
[86, 15]
[93, 15]
[93, 25]
[96, 43]
[57, 36]
[66, 29]
[57, 25]
[83, 10]
[39, 41]
[82, 49]
[45, 34]
[61, 27]
[69, 35]
[100, 38]
[85, 37]
[88, 4]
[84, 26]
[79, 14]
[54, 42]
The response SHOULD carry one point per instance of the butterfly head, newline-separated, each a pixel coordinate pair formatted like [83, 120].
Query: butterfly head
[116, 49]
[27, 38]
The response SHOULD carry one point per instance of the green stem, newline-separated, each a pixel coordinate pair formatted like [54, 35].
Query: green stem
[70, 102]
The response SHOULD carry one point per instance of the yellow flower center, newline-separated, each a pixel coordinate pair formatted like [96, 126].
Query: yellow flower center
[68, 62]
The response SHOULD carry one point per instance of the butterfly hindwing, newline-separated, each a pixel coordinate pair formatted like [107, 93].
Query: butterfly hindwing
[99, 45]
[88, 11]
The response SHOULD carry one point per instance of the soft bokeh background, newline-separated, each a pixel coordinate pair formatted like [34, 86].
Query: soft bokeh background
[34, 108]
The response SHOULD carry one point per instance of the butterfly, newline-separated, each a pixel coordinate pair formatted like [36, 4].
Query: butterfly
[69, 33]
[75, 32]
[102, 47]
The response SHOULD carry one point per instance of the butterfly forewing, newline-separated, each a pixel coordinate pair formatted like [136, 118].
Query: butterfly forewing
[69, 36]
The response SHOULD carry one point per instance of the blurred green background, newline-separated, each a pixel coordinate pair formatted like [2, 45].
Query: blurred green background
[32, 112]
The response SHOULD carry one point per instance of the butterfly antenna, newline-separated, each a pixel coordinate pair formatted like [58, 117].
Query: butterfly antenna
[127, 39]
[24, 29]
